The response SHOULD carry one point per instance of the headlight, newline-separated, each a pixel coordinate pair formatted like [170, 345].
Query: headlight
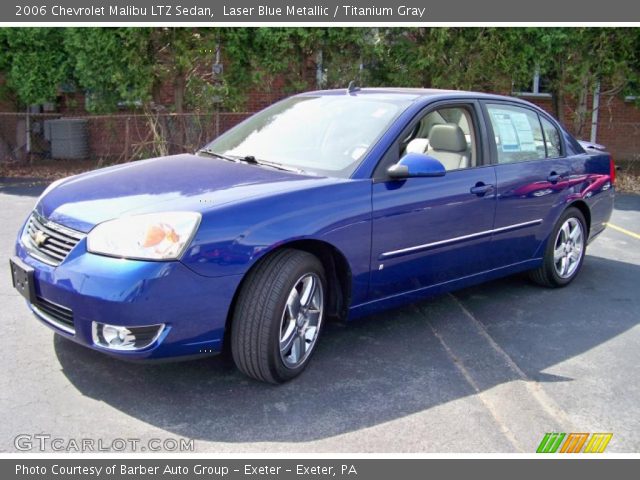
[154, 236]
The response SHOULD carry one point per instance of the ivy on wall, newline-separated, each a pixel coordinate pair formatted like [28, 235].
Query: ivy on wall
[131, 65]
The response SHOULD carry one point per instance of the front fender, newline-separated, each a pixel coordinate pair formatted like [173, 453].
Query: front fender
[232, 238]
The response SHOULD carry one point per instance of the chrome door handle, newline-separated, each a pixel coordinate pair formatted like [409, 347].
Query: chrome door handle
[481, 189]
[554, 177]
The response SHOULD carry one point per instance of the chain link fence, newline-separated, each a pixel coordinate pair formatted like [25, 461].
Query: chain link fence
[108, 138]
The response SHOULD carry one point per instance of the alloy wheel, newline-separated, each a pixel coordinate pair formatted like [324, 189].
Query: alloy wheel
[568, 248]
[301, 320]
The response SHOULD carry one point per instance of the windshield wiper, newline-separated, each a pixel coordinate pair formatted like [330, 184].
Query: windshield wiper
[218, 155]
[267, 163]
[252, 160]
[248, 159]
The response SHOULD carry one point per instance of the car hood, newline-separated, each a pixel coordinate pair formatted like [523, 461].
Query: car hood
[178, 182]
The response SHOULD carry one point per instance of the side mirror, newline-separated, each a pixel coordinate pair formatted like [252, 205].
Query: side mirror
[416, 165]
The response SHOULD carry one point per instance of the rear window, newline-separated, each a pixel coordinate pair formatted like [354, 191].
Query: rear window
[551, 139]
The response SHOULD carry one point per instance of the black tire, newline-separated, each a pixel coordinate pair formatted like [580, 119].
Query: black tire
[546, 275]
[257, 317]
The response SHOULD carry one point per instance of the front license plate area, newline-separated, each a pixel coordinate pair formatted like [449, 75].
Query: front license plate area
[22, 277]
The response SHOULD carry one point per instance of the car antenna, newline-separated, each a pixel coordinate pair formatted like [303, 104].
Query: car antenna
[352, 87]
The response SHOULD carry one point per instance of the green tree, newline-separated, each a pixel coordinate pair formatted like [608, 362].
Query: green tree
[457, 58]
[112, 64]
[35, 62]
[573, 60]
[136, 64]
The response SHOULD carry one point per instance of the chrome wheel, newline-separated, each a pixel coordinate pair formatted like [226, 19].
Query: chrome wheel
[301, 320]
[568, 248]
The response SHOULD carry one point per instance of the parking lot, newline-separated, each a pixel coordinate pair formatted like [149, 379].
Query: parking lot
[487, 369]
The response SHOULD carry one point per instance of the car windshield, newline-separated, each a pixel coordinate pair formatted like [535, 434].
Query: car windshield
[326, 135]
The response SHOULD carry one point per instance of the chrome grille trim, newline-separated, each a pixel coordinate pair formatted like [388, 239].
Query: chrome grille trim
[58, 240]
[54, 314]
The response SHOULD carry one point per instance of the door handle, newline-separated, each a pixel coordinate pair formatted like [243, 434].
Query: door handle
[481, 189]
[554, 177]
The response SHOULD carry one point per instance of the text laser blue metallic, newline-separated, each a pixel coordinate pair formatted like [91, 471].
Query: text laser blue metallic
[330, 204]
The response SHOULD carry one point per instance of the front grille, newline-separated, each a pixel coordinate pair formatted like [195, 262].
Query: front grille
[49, 241]
[57, 315]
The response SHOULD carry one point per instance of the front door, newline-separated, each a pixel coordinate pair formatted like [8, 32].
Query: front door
[428, 231]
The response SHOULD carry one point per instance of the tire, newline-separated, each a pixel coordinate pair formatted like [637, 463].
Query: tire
[267, 319]
[553, 273]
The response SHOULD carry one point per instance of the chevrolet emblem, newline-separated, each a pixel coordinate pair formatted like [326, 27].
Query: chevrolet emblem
[40, 238]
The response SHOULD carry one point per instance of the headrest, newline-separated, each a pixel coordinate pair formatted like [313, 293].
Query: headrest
[448, 137]
[417, 145]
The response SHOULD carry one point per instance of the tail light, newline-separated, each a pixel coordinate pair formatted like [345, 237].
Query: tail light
[612, 171]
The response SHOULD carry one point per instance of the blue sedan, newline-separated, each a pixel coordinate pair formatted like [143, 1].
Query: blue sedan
[330, 204]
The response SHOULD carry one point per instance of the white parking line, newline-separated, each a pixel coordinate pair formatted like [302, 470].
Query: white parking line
[479, 393]
[535, 389]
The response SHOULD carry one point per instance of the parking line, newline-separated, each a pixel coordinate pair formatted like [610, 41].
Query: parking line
[506, 431]
[624, 230]
[535, 389]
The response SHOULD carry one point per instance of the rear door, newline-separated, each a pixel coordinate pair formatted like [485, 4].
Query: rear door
[533, 176]
[428, 231]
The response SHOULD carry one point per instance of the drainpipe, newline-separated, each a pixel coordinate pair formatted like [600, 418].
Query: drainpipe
[319, 69]
[594, 113]
[536, 80]
[28, 128]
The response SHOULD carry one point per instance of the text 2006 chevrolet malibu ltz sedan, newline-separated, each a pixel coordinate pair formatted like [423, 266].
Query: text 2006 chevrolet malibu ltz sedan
[327, 204]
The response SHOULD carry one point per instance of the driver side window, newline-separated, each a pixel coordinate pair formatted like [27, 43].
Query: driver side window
[446, 134]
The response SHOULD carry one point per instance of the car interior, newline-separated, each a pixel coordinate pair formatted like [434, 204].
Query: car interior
[447, 135]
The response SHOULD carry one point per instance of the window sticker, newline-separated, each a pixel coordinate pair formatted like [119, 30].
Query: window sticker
[514, 131]
[525, 133]
[506, 132]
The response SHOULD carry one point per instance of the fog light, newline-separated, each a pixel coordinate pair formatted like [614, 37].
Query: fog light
[116, 337]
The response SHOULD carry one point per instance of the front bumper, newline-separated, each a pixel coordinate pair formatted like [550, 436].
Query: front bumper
[135, 293]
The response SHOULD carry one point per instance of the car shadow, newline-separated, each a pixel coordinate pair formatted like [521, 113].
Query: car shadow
[369, 371]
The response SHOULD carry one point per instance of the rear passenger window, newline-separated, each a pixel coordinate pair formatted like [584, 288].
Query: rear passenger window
[517, 133]
[551, 138]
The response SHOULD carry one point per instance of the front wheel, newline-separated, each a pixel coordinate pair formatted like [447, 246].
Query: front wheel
[565, 251]
[278, 316]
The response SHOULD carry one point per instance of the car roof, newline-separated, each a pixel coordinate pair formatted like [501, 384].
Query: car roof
[411, 94]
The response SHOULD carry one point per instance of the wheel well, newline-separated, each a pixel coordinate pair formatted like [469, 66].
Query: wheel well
[584, 209]
[336, 268]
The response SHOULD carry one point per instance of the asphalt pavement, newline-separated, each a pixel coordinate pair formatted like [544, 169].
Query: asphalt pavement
[491, 368]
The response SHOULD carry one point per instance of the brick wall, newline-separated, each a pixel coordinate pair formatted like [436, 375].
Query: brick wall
[618, 124]
[117, 136]
[619, 128]
[127, 136]
[618, 120]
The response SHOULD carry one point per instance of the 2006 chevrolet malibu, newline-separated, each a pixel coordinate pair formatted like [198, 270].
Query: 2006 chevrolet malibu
[326, 204]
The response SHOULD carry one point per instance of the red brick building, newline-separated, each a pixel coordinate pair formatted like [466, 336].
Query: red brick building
[618, 124]
[132, 134]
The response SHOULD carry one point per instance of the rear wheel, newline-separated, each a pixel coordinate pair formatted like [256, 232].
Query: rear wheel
[565, 251]
[278, 316]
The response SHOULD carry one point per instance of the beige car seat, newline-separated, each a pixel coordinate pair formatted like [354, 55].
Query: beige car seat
[448, 144]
